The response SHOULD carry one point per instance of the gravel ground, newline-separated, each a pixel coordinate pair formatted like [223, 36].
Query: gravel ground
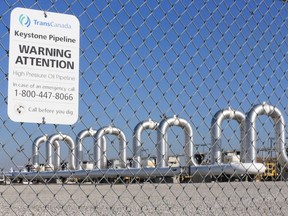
[237, 198]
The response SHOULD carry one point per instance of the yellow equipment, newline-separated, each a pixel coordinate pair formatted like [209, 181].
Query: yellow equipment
[270, 172]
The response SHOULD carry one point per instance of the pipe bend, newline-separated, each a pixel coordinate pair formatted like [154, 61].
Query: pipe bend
[279, 127]
[35, 149]
[217, 120]
[162, 144]
[229, 113]
[54, 140]
[79, 145]
[137, 141]
[100, 155]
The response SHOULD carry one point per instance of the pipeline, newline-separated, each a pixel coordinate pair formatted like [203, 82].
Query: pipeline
[248, 165]
[52, 150]
[35, 150]
[53, 140]
[79, 145]
[279, 127]
[228, 169]
[100, 154]
[219, 117]
[137, 141]
[96, 173]
[162, 144]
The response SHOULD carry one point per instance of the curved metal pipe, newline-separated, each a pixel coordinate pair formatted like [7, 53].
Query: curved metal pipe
[35, 149]
[137, 141]
[279, 127]
[219, 117]
[79, 145]
[162, 144]
[100, 154]
[53, 140]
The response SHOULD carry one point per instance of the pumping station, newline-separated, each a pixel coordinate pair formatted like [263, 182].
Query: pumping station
[133, 169]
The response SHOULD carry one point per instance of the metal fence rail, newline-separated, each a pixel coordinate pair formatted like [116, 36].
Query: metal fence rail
[182, 110]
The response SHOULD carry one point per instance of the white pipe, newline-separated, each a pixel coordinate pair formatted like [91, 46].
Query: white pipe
[219, 117]
[36, 148]
[204, 170]
[49, 160]
[279, 127]
[56, 153]
[100, 154]
[96, 173]
[79, 145]
[162, 144]
[53, 140]
[137, 141]
[229, 169]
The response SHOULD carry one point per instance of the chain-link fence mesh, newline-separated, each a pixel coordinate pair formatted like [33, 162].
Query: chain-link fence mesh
[182, 107]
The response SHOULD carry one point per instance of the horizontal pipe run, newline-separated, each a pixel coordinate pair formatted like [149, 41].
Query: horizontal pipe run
[229, 169]
[215, 169]
[96, 173]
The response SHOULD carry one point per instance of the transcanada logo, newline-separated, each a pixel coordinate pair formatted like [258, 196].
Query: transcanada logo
[51, 24]
[24, 20]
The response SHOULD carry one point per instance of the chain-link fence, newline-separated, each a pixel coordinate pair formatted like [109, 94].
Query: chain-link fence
[182, 111]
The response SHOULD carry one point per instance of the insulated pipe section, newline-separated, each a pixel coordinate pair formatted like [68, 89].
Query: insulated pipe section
[100, 155]
[50, 149]
[54, 140]
[79, 145]
[56, 153]
[137, 141]
[219, 117]
[279, 127]
[35, 150]
[96, 173]
[162, 144]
